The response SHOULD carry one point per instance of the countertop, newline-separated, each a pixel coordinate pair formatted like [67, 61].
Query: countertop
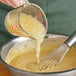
[3, 71]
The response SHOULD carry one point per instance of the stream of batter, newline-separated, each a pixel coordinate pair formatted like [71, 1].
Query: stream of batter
[31, 27]
[35, 29]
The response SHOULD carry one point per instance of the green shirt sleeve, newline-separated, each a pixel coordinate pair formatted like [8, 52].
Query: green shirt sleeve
[4, 35]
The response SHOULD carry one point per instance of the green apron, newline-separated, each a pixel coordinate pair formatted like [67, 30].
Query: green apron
[61, 15]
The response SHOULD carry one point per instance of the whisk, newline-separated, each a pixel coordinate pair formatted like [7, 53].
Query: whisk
[57, 56]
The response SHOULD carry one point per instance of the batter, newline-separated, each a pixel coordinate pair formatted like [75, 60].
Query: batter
[27, 61]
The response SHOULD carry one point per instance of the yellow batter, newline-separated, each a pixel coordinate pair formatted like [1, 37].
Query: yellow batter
[27, 61]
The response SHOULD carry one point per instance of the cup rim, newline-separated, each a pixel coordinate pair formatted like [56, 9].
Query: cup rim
[23, 71]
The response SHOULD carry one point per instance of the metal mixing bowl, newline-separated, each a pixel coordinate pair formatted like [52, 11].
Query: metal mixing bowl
[17, 72]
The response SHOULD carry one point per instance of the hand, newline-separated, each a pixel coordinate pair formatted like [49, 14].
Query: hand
[13, 3]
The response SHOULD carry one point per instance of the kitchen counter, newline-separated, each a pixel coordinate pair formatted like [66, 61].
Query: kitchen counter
[3, 71]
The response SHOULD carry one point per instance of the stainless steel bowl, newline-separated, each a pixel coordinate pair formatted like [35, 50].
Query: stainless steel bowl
[17, 72]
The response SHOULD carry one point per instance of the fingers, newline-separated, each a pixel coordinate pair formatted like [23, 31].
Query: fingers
[7, 2]
[13, 3]
[4, 1]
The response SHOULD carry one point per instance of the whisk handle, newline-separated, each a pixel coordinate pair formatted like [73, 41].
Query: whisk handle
[71, 40]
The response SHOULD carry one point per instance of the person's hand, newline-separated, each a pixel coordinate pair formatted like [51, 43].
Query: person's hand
[13, 3]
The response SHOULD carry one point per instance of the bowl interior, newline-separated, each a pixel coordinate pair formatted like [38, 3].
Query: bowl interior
[8, 45]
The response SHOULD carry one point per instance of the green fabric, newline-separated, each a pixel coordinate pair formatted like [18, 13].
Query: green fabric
[61, 15]
[4, 35]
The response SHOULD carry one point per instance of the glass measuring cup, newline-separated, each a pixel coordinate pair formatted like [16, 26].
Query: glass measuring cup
[12, 20]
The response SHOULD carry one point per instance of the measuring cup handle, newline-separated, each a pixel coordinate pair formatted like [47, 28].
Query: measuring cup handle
[71, 40]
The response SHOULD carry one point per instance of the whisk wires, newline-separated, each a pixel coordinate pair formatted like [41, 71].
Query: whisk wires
[54, 58]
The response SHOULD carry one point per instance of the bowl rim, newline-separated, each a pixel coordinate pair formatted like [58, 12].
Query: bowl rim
[23, 71]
